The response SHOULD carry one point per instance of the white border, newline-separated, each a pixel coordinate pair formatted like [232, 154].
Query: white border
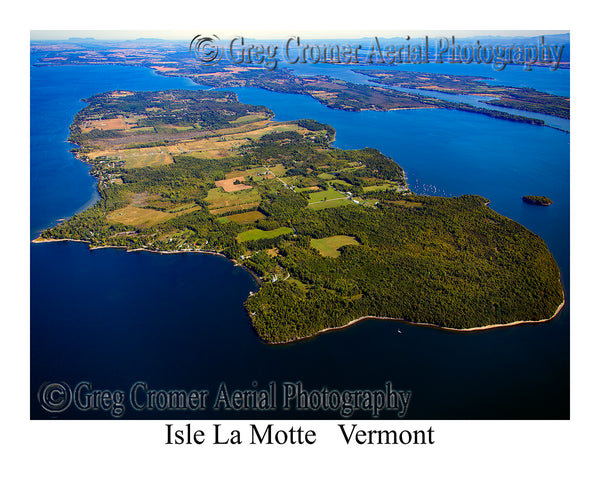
[473, 449]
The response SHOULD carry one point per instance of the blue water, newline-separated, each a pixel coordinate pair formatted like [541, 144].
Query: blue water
[177, 321]
[552, 121]
[541, 78]
[60, 185]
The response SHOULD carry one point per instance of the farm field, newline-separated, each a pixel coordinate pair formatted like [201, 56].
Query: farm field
[329, 246]
[256, 234]
[233, 184]
[138, 217]
[217, 198]
[378, 188]
[324, 195]
[139, 160]
[246, 218]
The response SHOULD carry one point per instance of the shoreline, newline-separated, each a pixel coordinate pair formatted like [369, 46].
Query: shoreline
[325, 330]
[430, 325]
[161, 252]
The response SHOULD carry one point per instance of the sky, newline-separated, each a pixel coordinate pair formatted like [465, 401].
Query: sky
[274, 34]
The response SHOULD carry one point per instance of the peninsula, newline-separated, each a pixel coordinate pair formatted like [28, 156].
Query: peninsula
[334, 235]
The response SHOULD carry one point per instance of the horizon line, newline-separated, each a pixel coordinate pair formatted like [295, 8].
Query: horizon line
[138, 35]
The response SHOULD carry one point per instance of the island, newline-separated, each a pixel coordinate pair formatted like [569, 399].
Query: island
[519, 98]
[333, 236]
[537, 200]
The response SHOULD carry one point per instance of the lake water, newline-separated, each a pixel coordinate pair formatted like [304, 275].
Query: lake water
[177, 321]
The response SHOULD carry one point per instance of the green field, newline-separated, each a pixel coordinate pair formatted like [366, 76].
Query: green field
[326, 176]
[324, 195]
[327, 199]
[329, 246]
[343, 183]
[278, 170]
[256, 234]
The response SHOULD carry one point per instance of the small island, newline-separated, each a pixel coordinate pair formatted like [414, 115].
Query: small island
[332, 235]
[537, 200]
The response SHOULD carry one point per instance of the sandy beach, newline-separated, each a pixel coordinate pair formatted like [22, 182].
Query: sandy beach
[431, 325]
